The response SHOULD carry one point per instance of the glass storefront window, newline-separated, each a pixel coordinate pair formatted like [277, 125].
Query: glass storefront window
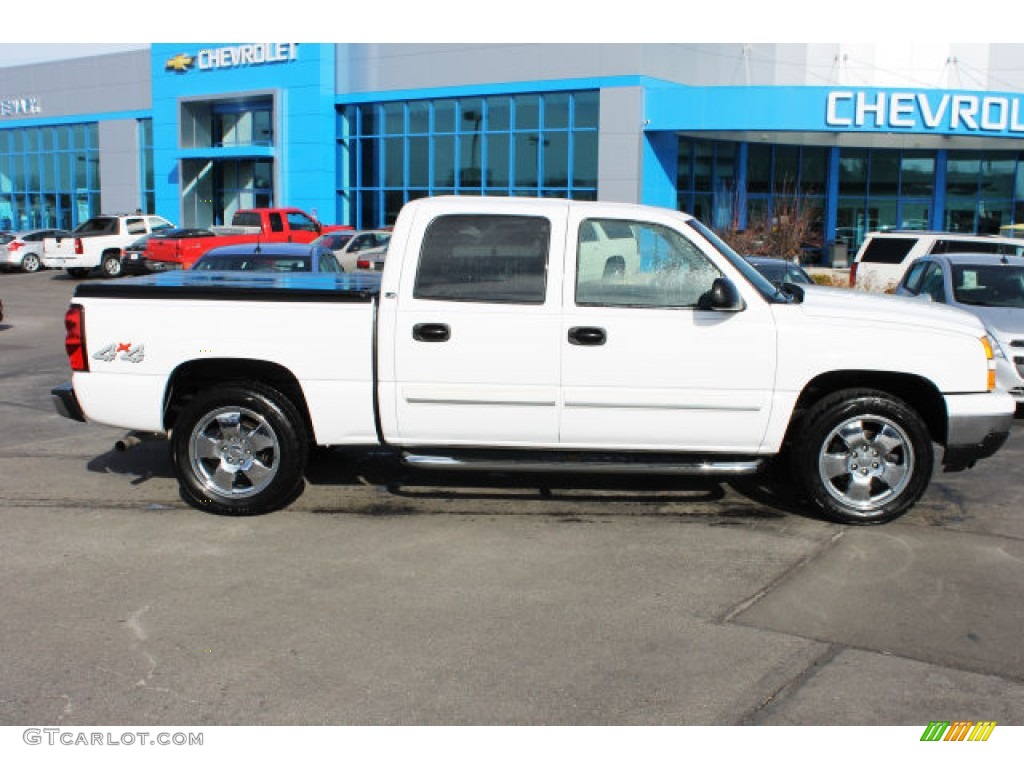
[394, 119]
[917, 174]
[786, 170]
[997, 176]
[527, 111]
[853, 171]
[813, 170]
[884, 174]
[419, 117]
[962, 171]
[444, 116]
[556, 111]
[499, 113]
[959, 214]
[759, 168]
[523, 144]
[37, 174]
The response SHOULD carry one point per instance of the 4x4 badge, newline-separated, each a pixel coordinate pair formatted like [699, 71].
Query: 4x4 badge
[133, 353]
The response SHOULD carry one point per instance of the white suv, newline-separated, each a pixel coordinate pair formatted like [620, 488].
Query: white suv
[883, 257]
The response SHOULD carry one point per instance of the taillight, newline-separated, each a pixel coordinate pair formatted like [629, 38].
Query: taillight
[14, 245]
[362, 264]
[78, 247]
[74, 339]
[853, 274]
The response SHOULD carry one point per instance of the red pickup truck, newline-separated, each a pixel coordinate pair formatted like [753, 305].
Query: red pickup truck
[270, 225]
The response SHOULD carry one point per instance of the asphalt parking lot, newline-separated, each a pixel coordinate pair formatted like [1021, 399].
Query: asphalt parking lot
[382, 599]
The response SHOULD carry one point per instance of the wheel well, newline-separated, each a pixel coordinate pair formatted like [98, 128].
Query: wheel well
[111, 252]
[199, 375]
[917, 392]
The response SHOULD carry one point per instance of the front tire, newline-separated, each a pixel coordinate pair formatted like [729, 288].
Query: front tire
[240, 449]
[863, 457]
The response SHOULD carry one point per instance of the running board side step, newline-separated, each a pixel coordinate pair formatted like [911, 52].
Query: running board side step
[577, 463]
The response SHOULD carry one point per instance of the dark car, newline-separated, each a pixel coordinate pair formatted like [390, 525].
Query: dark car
[780, 271]
[270, 257]
[133, 257]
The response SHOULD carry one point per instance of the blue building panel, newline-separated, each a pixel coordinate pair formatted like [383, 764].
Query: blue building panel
[297, 77]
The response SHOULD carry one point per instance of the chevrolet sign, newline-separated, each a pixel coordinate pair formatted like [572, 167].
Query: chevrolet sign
[232, 56]
[922, 112]
[180, 63]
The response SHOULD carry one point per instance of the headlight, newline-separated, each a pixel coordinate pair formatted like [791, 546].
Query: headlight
[997, 346]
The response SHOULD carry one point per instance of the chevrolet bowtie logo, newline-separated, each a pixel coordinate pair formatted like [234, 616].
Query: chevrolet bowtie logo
[180, 63]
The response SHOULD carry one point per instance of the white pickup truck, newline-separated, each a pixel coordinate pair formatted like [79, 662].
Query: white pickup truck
[99, 242]
[502, 335]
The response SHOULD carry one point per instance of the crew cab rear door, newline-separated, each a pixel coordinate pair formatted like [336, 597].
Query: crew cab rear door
[643, 367]
[476, 335]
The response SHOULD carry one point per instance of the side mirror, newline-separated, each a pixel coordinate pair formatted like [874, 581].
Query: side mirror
[723, 297]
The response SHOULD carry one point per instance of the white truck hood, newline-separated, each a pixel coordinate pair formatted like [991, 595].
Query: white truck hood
[860, 307]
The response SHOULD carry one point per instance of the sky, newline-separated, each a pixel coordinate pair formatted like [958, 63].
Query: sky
[75, 29]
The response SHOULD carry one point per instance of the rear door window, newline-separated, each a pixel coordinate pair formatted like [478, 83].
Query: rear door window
[484, 258]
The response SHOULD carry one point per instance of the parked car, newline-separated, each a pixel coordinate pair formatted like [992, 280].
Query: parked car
[884, 257]
[133, 257]
[780, 271]
[24, 250]
[372, 259]
[269, 257]
[988, 286]
[347, 245]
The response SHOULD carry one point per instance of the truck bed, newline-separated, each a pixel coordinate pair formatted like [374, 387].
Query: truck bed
[238, 286]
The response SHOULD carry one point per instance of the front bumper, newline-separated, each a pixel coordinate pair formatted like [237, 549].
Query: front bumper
[66, 403]
[978, 425]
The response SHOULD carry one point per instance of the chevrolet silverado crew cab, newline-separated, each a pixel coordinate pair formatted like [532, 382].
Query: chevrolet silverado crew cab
[98, 242]
[489, 341]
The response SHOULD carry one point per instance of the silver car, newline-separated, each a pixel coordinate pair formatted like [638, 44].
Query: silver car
[348, 245]
[989, 286]
[24, 250]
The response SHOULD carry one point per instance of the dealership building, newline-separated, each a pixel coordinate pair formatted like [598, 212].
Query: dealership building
[732, 133]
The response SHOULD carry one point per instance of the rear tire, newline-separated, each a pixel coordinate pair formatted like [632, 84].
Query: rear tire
[862, 456]
[240, 449]
[111, 265]
[31, 263]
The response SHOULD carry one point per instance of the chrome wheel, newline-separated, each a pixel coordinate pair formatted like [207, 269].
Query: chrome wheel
[111, 266]
[234, 452]
[865, 462]
[30, 263]
[861, 456]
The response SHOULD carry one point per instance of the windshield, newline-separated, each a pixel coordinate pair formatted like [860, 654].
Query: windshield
[332, 241]
[989, 285]
[100, 225]
[254, 263]
[755, 278]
